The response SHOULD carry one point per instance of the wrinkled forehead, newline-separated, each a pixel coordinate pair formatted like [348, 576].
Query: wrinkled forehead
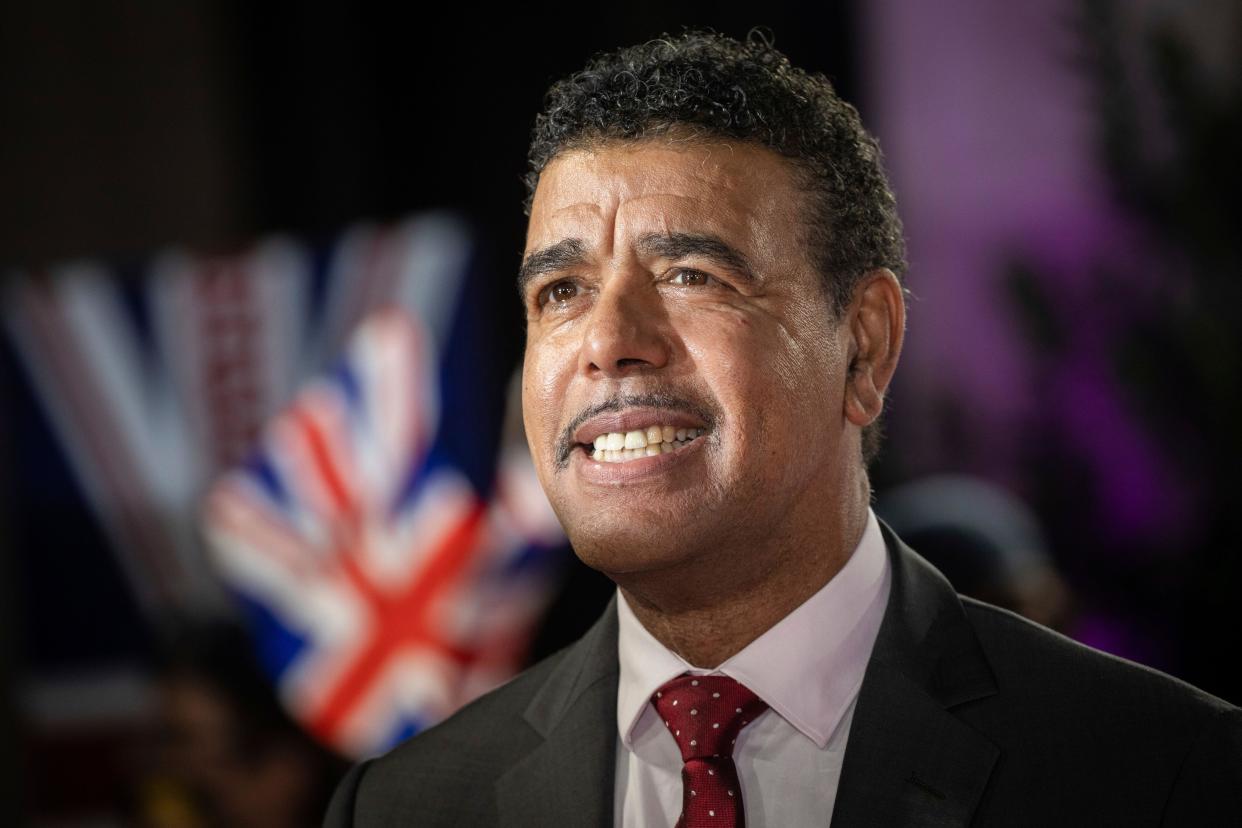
[624, 190]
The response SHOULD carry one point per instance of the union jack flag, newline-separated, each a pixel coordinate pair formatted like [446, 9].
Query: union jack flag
[389, 564]
[388, 589]
[157, 376]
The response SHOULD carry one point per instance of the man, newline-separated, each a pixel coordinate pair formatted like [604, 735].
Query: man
[711, 282]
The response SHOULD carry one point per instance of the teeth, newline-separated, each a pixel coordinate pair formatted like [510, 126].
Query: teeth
[618, 447]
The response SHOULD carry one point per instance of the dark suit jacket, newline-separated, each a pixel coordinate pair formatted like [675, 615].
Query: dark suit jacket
[967, 714]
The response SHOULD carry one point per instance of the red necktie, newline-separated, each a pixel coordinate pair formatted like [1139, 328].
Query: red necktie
[705, 714]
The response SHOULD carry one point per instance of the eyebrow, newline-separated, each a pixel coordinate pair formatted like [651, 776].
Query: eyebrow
[684, 245]
[571, 252]
[565, 253]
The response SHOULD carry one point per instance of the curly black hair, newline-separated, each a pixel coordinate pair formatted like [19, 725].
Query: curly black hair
[711, 85]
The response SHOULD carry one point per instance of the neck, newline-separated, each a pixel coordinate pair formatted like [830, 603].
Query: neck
[709, 625]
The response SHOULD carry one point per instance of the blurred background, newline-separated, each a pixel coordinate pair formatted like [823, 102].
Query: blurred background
[265, 505]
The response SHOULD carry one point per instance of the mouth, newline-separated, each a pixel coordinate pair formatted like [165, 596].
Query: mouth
[624, 446]
[631, 428]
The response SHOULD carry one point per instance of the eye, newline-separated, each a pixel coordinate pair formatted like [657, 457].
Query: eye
[559, 292]
[693, 278]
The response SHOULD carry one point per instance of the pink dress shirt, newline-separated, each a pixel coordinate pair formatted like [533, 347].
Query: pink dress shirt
[807, 667]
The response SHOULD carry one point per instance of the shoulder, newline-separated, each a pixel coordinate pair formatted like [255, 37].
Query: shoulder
[453, 773]
[446, 773]
[1036, 664]
[478, 732]
[1098, 728]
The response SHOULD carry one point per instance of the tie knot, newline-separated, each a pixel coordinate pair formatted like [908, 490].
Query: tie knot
[705, 713]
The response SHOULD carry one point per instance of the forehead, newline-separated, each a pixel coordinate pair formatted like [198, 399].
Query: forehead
[736, 189]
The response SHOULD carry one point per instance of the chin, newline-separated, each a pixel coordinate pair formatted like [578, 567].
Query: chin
[629, 551]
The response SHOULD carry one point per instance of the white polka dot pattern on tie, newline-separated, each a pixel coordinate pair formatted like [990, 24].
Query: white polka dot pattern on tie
[709, 776]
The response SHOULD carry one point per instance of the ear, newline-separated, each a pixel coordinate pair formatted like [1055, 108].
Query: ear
[877, 324]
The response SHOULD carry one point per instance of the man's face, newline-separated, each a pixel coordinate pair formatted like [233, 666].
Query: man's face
[668, 293]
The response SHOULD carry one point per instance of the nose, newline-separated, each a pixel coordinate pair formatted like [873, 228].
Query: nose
[625, 333]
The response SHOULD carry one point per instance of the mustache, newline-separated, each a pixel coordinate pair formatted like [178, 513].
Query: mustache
[660, 399]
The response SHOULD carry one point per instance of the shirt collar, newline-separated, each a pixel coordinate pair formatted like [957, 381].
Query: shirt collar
[807, 667]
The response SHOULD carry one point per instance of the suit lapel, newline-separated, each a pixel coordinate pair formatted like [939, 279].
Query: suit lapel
[909, 761]
[569, 778]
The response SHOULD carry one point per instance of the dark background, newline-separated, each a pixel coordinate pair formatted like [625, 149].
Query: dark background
[127, 128]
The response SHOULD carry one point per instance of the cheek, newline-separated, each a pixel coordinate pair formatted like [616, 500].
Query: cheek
[719, 339]
[810, 362]
[534, 392]
[752, 359]
[538, 396]
[547, 371]
[746, 364]
[776, 383]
